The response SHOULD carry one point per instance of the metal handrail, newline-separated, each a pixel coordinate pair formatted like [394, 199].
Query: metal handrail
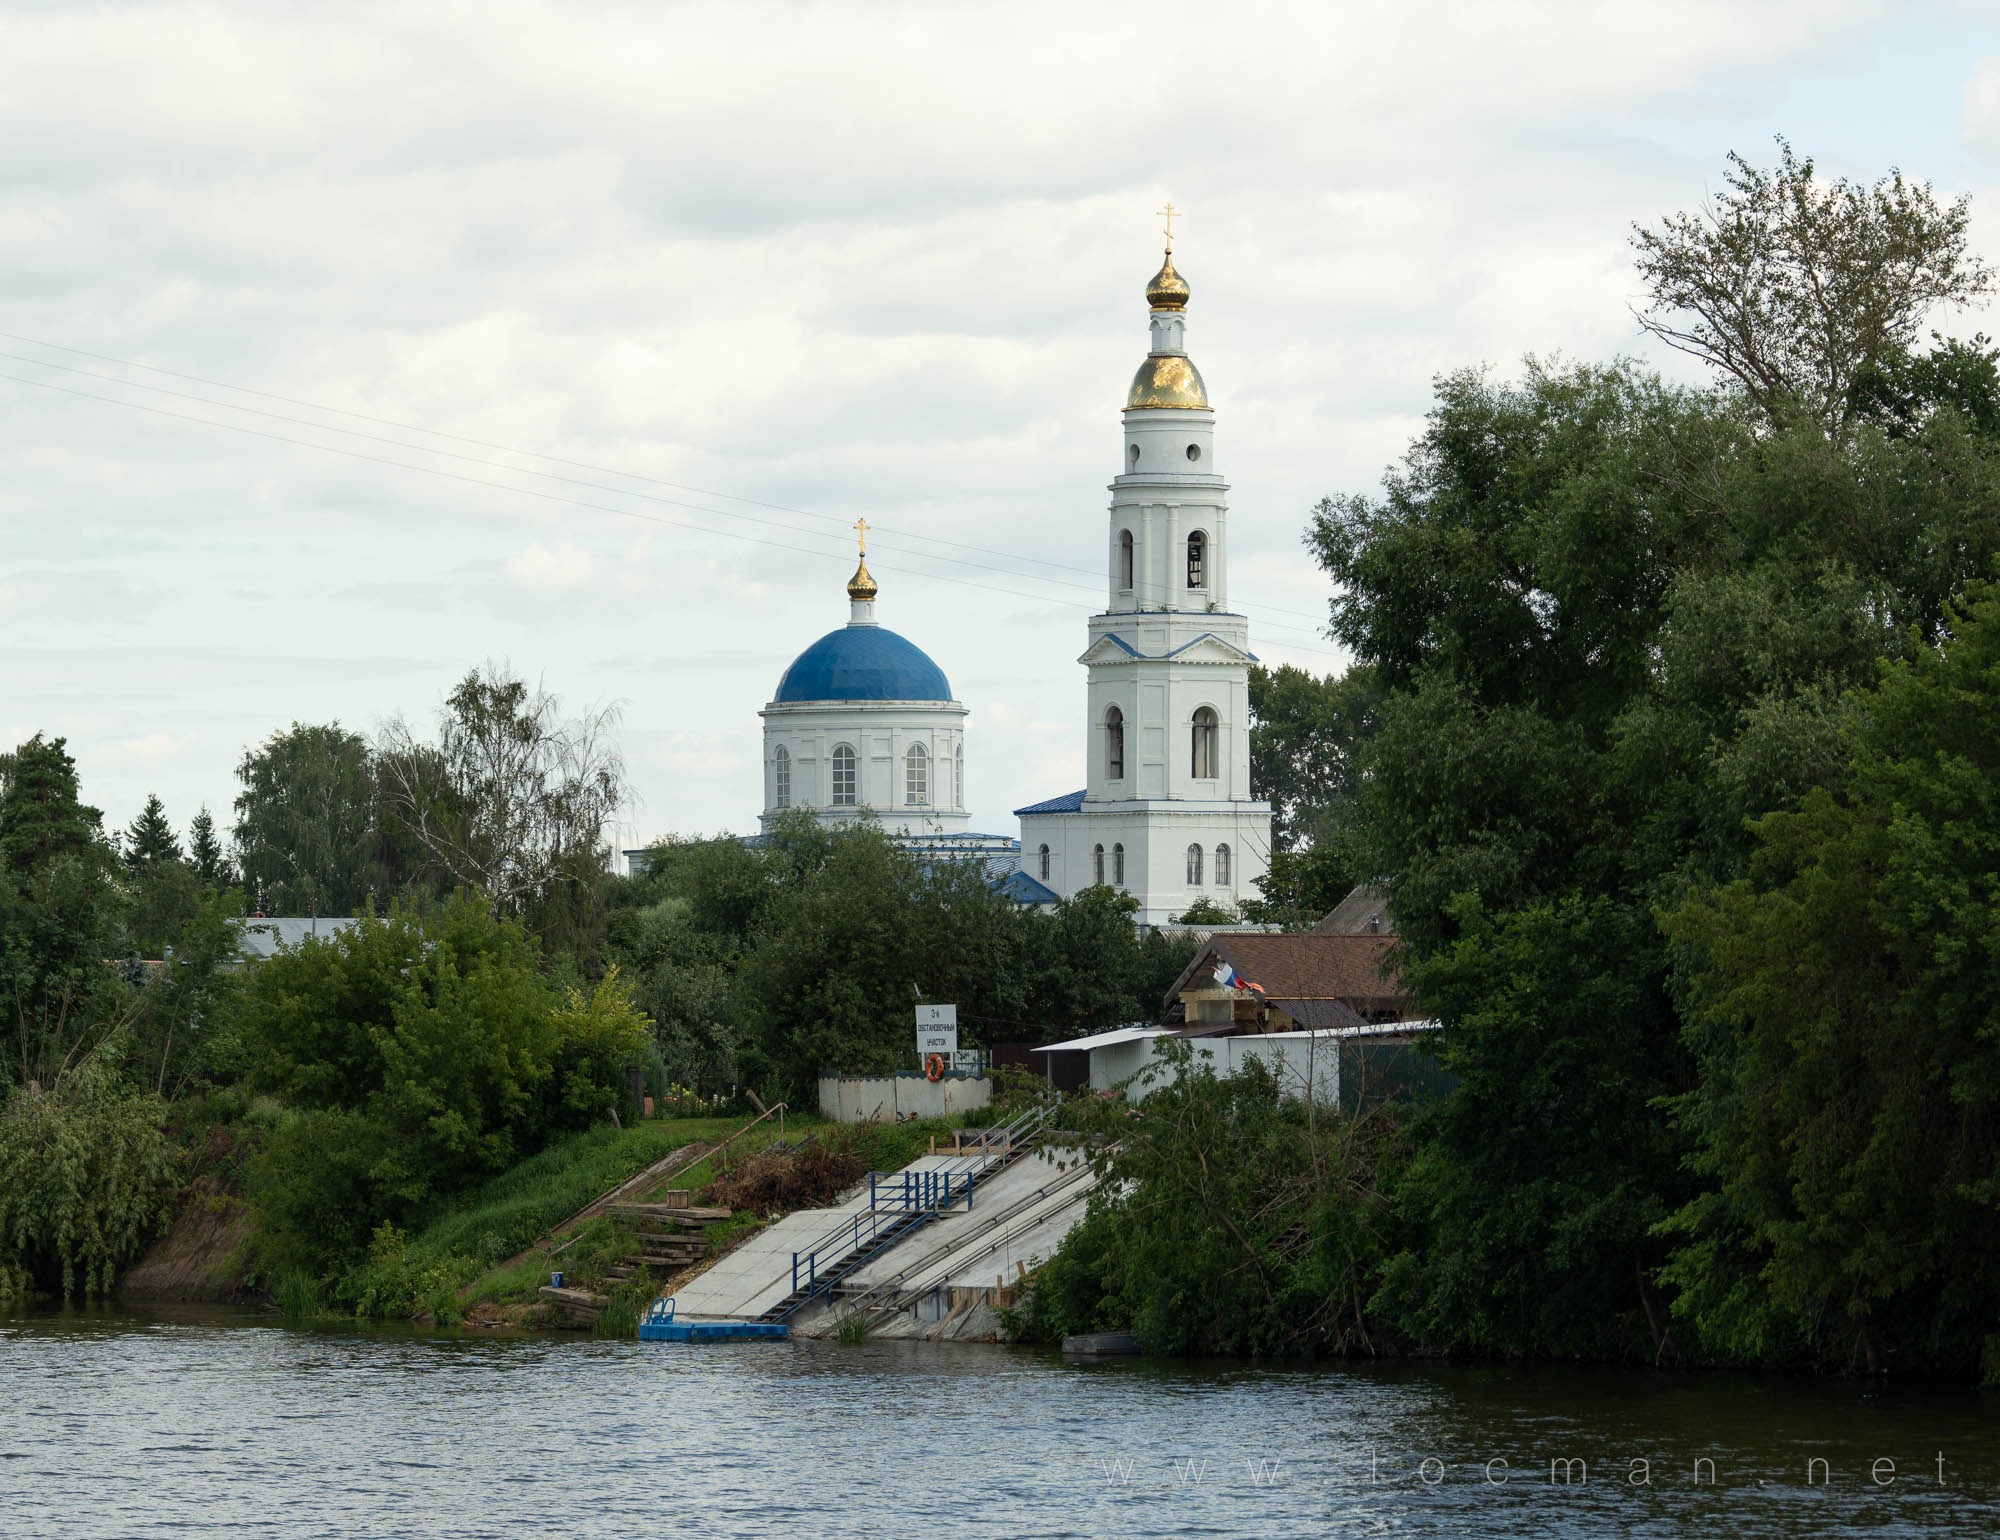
[918, 1197]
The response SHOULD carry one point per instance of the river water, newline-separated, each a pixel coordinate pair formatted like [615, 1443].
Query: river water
[203, 1422]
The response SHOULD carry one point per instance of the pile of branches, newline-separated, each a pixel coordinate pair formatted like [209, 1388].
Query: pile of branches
[778, 1181]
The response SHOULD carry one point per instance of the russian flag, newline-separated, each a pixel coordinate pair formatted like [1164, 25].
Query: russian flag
[1229, 978]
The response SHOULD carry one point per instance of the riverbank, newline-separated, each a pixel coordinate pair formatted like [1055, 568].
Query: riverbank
[485, 1261]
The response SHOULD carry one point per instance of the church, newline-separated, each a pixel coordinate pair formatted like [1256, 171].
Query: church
[1166, 812]
[864, 721]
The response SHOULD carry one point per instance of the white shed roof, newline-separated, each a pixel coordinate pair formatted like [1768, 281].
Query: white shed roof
[1104, 1039]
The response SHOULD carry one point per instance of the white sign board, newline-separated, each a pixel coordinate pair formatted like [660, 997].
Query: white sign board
[937, 1031]
[968, 1058]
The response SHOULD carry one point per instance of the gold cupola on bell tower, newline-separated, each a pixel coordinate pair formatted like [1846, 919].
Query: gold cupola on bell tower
[1168, 378]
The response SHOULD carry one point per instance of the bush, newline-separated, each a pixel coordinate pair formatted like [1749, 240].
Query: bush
[87, 1180]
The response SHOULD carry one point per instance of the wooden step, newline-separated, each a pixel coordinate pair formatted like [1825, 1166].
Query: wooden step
[667, 1213]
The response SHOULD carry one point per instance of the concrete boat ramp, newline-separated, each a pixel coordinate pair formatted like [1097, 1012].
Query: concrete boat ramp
[924, 1252]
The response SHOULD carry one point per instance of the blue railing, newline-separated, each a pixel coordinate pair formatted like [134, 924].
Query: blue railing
[909, 1192]
[894, 1199]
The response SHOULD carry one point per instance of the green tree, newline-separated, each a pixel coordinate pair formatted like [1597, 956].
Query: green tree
[1842, 1000]
[513, 802]
[1796, 288]
[87, 1179]
[421, 1056]
[205, 852]
[61, 915]
[305, 824]
[149, 838]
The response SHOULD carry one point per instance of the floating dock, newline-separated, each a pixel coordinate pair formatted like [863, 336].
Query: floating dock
[660, 1326]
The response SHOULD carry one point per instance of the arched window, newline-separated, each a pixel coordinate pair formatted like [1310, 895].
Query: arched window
[1125, 559]
[1114, 745]
[1097, 861]
[1222, 866]
[916, 777]
[843, 776]
[958, 776]
[1194, 866]
[1202, 765]
[781, 777]
[1118, 865]
[1045, 863]
[1197, 559]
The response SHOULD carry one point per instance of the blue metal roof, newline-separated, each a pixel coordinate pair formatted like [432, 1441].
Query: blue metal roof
[1023, 889]
[863, 663]
[1070, 803]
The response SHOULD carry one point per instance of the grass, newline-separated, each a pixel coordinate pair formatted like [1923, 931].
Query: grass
[518, 1207]
[298, 1297]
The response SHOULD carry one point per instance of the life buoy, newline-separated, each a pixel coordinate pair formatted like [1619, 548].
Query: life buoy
[934, 1067]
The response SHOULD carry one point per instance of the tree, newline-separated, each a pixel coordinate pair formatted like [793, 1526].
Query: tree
[1841, 1000]
[420, 1055]
[40, 816]
[512, 801]
[1794, 288]
[205, 852]
[305, 821]
[60, 918]
[150, 838]
[1306, 736]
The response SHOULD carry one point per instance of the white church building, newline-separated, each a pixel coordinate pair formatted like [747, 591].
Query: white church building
[863, 720]
[1166, 812]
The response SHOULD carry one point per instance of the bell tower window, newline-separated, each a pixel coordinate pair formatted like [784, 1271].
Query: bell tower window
[1125, 560]
[1204, 733]
[1197, 560]
[1097, 864]
[1118, 865]
[1114, 745]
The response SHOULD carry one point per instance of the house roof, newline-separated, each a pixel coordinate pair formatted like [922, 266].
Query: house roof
[263, 936]
[1071, 802]
[1104, 1039]
[1023, 889]
[1365, 911]
[1302, 967]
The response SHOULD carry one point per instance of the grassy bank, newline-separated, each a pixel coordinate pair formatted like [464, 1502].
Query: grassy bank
[488, 1253]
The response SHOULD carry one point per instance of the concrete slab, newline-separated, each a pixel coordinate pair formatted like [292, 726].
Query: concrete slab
[758, 1273]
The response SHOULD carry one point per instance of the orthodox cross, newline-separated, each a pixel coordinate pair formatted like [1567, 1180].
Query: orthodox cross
[861, 529]
[1170, 211]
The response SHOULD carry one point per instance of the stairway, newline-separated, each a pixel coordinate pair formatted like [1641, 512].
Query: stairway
[924, 1197]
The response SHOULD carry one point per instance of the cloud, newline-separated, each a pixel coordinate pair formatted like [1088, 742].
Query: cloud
[838, 260]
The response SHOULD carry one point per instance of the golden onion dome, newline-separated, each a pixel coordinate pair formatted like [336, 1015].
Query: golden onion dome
[1169, 380]
[861, 587]
[1168, 290]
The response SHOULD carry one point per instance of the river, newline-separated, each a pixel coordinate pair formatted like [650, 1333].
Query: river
[207, 1422]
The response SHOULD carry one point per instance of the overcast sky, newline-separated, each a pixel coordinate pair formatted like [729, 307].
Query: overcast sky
[637, 308]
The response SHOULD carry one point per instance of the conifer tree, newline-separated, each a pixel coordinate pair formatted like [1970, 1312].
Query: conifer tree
[205, 851]
[150, 838]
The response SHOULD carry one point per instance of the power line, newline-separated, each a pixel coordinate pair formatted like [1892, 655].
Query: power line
[534, 454]
[551, 497]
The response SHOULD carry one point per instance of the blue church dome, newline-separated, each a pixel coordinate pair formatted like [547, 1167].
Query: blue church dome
[863, 663]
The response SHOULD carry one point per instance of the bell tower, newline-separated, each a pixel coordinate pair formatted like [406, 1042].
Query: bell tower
[1166, 810]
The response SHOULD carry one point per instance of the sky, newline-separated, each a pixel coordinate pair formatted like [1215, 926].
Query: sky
[346, 348]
